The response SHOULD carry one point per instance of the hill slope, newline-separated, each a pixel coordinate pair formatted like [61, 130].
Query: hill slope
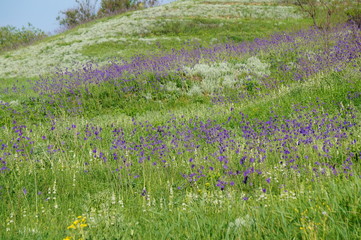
[218, 138]
[170, 25]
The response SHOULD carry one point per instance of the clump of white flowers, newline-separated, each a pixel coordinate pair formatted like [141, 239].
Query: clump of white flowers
[255, 66]
[214, 76]
[211, 75]
[240, 222]
[194, 91]
[171, 86]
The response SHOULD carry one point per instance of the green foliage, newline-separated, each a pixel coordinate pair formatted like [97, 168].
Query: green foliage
[325, 13]
[111, 7]
[84, 12]
[354, 13]
[12, 37]
[183, 34]
[146, 94]
[70, 19]
[114, 207]
[108, 7]
[329, 89]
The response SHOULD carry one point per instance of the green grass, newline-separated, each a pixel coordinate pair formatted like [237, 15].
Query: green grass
[113, 204]
[330, 90]
[57, 179]
[176, 34]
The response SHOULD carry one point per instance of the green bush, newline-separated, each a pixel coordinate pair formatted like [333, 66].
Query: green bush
[326, 13]
[115, 6]
[110, 7]
[12, 37]
[84, 12]
[354, 15]
[70, 18]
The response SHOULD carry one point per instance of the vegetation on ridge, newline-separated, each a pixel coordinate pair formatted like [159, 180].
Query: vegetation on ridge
[11, 37]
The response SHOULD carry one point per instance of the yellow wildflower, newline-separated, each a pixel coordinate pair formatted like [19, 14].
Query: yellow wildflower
[72, 227]
[83, 225]
[67, 238]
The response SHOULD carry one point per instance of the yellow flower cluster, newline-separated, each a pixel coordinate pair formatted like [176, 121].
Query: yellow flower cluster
[308, 220]
[79, 223]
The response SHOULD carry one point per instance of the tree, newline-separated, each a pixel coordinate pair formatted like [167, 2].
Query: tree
[150, 3]
[86, 10]
[117, 6]
[322, 12]
[83, 12]
[70, 19]
[309, 7]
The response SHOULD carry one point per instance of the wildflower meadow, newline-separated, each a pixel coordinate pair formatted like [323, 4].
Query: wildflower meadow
[256, 138]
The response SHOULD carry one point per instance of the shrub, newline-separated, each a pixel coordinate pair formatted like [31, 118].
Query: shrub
[324, 13]
[70, 19]
[115, 6]
[84, 12]
[109, 7]
[12, 37]
[354, 15]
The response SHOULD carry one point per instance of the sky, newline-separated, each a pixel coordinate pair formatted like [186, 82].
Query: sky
[39, 13]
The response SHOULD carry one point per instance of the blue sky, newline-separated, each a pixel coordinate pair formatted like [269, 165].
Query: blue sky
[40, 13]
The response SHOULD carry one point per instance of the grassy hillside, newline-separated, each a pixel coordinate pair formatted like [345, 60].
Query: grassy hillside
[164, 27]
[207, 123]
